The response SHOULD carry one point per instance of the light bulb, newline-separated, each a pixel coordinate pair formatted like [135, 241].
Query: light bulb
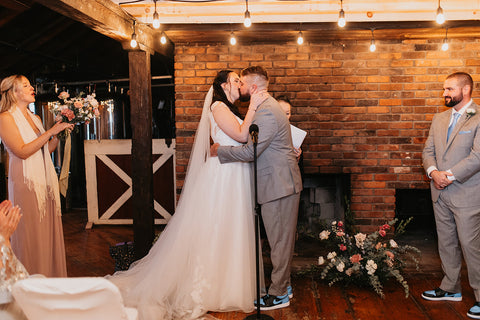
[233, 41]
[440, 16]
[247, 22]
[445, 45]
[163, 39]
[133, 42]
[156, 20]
[373, 47]
[341, 19]
[300, 38]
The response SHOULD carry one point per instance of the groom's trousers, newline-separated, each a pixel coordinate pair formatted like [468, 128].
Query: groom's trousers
[280, 221]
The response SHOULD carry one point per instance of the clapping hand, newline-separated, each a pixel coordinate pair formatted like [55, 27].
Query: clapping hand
[9, 219]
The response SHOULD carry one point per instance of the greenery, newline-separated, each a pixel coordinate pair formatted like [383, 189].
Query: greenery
[365, 259]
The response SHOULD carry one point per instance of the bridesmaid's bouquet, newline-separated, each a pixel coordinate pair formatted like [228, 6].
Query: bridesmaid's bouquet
[80, 109]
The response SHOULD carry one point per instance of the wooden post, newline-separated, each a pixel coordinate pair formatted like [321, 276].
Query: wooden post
[142, 177]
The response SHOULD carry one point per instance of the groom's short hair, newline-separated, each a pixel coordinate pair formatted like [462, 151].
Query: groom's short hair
[255, 70]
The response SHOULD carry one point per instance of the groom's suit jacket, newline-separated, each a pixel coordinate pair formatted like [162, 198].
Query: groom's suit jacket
[278, 174]
[461, 154]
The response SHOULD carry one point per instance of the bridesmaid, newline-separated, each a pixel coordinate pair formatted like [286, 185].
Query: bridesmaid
[32, 180]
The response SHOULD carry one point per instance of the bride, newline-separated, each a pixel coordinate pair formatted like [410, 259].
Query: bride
[204, 260]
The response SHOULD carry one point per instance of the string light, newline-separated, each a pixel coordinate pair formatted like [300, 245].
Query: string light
[440, 16]
[373, 47]
[156, 19]
[133, 41]
[233, 40]
[445, 41]
[341, 16]
[163, 38]
[300, 38]
[247, 22]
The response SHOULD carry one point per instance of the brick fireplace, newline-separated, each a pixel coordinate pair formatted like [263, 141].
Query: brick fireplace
[367, 114]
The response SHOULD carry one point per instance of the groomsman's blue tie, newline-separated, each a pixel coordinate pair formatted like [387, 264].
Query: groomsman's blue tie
[456, 115]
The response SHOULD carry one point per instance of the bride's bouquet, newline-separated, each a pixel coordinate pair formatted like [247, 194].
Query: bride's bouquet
[80, 109]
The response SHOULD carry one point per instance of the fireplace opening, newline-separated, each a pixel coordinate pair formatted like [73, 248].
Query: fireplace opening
[322, 201]
[416, 203]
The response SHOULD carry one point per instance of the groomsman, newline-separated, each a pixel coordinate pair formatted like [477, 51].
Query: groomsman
[451, 158]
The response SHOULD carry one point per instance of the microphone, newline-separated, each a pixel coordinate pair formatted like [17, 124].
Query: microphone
[253, 129]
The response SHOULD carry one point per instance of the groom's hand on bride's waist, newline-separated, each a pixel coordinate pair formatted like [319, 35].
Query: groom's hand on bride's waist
[213, 149]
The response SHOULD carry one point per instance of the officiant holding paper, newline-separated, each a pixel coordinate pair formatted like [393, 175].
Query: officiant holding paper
[298, 135]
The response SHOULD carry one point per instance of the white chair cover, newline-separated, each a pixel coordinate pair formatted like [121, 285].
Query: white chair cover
[72, 299]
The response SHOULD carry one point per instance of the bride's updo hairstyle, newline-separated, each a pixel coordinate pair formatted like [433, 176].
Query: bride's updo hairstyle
[219, 94]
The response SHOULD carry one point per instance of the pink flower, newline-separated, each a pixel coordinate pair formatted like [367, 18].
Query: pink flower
[390, 254]
[343, 247]
[382, 232]
[69, 114]
[385, 227]
[356, 258]
[64, 95]
[78, 104]
[96, 112]
[340, 224]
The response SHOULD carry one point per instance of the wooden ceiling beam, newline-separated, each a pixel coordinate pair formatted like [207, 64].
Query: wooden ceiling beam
[111, 20]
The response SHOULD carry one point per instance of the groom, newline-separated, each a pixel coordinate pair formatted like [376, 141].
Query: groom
[279, 182]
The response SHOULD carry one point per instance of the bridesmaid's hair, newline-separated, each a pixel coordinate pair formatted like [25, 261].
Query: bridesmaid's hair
[7, 90]
[219, 94]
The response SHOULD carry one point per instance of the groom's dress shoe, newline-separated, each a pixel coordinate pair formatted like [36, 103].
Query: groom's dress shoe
[474, 311]
[269, 302]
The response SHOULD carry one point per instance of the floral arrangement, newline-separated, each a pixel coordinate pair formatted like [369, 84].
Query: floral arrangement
[365, 259]
[75, 110]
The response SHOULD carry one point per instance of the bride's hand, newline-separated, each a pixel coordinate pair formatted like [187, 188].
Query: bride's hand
[256, 99]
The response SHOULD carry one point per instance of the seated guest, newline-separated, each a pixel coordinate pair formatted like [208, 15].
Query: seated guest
[11, 270]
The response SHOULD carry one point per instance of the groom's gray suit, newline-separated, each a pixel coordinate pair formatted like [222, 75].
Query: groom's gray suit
[457, 207]
[279, 185]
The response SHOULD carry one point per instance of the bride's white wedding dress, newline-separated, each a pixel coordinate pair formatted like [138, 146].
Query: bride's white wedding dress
[204, 260]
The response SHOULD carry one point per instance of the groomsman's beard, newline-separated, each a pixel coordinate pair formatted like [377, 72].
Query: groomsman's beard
[453, 101]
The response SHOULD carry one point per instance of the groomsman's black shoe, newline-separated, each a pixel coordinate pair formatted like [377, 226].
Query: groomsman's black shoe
[474, 311]
[440, 295]
[269, 302]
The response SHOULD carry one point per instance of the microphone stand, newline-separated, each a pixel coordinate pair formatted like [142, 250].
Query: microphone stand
[258, 212]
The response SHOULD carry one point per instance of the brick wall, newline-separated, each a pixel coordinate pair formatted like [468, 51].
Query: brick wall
[366, 114]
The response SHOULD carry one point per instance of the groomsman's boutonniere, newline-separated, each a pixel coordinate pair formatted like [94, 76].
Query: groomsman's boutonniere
[470, 112]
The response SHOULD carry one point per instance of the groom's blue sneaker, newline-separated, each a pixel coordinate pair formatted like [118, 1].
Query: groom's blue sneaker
[474, 311]
[290, 292]
[269, 302]
[440, 295]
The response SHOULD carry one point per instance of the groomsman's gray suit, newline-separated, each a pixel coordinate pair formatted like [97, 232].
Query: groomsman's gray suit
[279, 186]
[457, 207]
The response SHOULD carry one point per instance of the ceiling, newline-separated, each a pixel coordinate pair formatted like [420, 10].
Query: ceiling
[47, 46]
[191, 21]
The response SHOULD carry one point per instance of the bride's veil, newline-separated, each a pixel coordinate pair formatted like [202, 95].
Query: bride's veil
[201, 146]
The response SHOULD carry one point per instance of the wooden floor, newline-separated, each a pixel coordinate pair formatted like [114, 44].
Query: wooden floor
[87, 255]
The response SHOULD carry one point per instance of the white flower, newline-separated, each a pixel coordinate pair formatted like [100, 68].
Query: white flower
[393, 244]
[360, 238]
[321, 261]
[334, 223]
[371, 267]
[331, 255]
[341, 266]
[470, 111]
[324, 234]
